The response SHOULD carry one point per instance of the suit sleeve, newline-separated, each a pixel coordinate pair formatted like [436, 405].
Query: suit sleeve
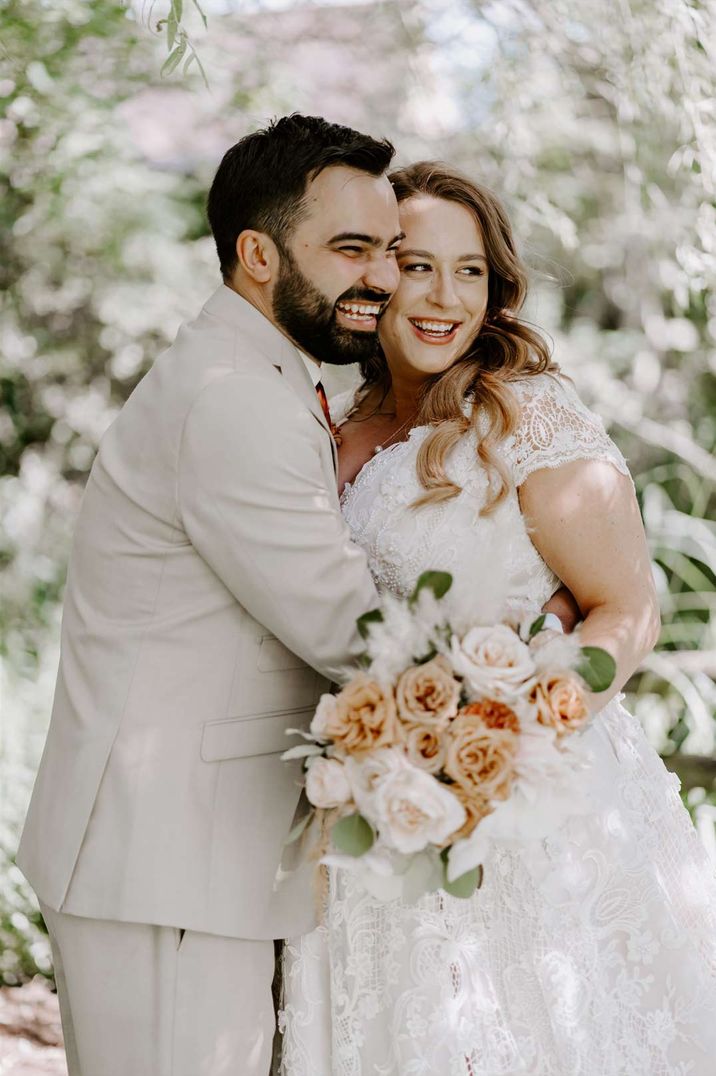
[255, 505]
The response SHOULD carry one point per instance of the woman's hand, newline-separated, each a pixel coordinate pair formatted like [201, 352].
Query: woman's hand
[584, 520]
[565, 608]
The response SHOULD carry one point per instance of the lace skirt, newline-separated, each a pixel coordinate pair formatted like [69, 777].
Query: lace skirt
[591, 953]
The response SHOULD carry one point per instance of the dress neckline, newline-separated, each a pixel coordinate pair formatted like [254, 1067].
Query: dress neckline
[350, 487]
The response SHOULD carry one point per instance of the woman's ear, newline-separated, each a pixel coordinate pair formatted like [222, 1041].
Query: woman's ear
[257, 255]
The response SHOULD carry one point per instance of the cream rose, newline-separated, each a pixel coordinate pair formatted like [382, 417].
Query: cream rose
[428, 694]
[414, 809]
[482, 743]
[364, 717]
[327, 783]
[324, 715]
[365, 773]
[561, 702]
[493, 660]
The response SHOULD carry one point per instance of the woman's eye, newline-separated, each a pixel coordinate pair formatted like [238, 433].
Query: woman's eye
[416, 267]
[472, 270]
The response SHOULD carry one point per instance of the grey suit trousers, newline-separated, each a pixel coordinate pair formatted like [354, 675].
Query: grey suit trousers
[143, 1000]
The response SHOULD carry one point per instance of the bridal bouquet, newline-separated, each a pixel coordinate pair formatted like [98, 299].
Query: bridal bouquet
[447, 738]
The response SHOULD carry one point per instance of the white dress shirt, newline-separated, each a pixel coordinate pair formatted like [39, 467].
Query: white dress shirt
[313, 366]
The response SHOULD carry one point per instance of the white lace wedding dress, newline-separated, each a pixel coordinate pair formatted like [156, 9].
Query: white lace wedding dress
[591, 953]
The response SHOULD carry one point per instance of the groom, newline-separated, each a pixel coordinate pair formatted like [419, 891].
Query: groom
[211, 576]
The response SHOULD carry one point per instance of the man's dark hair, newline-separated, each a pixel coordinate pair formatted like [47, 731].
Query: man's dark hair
[262, 180]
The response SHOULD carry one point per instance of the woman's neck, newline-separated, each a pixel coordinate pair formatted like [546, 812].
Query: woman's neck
[401, 401]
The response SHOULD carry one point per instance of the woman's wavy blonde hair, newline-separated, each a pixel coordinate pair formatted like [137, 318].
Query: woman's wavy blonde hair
[505, 349]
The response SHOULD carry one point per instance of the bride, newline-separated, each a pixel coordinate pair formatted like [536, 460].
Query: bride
[593, 952]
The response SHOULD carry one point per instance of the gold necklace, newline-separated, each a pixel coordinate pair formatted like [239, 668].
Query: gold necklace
[394, 434]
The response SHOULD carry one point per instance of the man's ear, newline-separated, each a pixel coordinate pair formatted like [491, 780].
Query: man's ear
[258, 256]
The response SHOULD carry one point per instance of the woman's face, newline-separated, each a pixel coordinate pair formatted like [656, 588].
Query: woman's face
[441, 300]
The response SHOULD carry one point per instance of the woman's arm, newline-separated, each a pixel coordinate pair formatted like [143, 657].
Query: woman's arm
[584, 520]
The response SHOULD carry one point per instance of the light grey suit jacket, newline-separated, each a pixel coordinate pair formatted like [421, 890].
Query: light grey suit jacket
[212, 592]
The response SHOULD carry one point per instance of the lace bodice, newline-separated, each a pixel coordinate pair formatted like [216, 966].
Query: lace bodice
[555, 428]
[591, 953]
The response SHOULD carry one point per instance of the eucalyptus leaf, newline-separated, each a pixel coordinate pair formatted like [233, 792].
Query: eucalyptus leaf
[364, 622]
[353, 835]
[466, 884]
[597, 668]
[177, 9]
[537, 625]
[438, 582]
[299, 828]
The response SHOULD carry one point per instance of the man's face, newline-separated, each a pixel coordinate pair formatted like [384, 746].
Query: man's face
[339, 269]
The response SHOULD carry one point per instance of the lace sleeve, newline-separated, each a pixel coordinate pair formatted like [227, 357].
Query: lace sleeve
[556, 428]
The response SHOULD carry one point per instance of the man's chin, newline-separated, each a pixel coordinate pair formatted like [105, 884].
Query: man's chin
[352, 345]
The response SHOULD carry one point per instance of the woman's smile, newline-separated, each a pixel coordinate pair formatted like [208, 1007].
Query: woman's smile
[434, 331]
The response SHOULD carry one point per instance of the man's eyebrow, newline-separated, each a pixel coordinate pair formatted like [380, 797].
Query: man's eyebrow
[356, 237]
[359, 237]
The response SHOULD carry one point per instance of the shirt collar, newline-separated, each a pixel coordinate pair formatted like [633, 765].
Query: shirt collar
[313, 367]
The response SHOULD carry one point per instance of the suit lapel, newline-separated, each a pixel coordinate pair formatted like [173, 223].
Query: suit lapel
[228, 305]
[293, 369]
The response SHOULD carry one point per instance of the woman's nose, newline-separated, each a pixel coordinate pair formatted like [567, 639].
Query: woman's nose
[443, 291]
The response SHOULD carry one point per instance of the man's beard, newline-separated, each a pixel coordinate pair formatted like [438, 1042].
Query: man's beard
[309, 317]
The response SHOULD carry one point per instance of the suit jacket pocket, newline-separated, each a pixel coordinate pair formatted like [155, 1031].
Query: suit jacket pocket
[241, 737]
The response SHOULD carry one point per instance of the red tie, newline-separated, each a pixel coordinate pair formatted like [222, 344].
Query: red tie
[321, 393]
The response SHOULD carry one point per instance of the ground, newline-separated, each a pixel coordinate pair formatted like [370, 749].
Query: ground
[30, 1033]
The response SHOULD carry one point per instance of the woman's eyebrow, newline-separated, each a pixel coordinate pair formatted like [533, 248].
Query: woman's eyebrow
[428, 254]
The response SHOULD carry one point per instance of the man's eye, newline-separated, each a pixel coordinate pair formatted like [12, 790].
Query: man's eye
[351, 250]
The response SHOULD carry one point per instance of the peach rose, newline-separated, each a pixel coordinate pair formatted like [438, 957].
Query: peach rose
[482, 743]
[561, 702]
[476, 808]
[364, 717]
[425, 747]
[428, 694]
[495, 714]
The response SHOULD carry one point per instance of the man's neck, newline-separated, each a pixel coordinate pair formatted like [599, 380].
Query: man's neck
[261, 301]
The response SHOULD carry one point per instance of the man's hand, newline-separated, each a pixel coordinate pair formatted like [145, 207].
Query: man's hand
[563, 605]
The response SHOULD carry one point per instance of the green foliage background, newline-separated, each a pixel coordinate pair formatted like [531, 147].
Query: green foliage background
[595, 123]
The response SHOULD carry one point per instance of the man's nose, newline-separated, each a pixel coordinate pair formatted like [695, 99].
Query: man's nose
[383, 273]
